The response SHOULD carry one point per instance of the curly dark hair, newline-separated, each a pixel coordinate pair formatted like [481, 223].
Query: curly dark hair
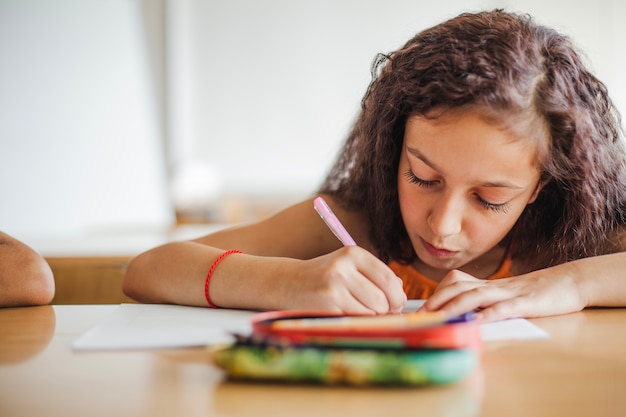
[526, 75]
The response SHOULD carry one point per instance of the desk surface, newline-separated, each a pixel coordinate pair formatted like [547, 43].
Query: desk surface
[579, 371]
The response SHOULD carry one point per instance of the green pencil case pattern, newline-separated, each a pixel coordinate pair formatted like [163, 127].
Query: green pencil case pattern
[337, 366]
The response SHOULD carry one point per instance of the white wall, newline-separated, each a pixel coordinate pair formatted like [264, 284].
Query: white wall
[271, 88]
[274, 86]
[259, 93]
[79, 136]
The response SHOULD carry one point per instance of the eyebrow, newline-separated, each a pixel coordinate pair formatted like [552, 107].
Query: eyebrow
[493, 184]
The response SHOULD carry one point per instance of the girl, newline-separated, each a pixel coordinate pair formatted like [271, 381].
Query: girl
[486, 170]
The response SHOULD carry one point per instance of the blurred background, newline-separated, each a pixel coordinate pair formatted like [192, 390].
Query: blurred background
[141, 114]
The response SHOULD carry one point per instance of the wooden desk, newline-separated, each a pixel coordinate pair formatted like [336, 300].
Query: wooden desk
[579, 371]
[89, 279]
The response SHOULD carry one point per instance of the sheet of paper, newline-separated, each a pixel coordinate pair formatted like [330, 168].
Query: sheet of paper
[152, 326]
[156, 326]
[512, 329]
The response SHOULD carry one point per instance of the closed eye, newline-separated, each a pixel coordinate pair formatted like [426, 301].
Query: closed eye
[410, 176]
[498, 208]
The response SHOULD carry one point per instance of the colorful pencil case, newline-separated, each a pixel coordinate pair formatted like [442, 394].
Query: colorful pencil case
[355, 350]
[406, 331]
[336, 366]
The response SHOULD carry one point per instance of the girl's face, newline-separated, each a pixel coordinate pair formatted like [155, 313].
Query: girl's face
[462, 184]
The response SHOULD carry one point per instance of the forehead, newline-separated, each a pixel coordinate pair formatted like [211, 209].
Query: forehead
[518, 126]
[469, 146]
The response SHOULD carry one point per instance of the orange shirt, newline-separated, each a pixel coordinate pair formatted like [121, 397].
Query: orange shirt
[419, 287]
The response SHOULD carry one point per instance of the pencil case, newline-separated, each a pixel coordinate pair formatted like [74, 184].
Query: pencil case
[292, 346]
[409, 331]
[339, 366]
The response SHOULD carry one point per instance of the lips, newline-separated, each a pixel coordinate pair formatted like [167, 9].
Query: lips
[438, 252]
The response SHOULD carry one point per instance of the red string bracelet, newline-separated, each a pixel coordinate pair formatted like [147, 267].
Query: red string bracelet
[208, 276]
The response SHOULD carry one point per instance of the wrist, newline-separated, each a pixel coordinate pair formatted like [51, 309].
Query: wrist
[583, 285]
[245, 281]
[214, 266]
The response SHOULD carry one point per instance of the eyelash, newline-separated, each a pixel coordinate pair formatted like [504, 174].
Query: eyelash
[410, 176]
[498, 208]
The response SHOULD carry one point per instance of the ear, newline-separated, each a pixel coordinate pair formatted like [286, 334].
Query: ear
[539, 187]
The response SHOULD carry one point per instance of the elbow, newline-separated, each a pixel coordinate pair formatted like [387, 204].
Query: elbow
[45, 278]
[30, 284]
[25, 276]
[129, 283]
[42, 287]
[134, 282]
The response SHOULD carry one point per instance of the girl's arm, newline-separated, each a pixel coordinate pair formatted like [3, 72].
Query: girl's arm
[565, 288]
[289, 261]
[25, 277]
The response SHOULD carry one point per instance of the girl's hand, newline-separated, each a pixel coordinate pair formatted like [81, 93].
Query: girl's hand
[540, 293]
[348, 280]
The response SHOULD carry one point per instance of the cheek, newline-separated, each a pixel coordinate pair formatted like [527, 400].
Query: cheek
[487, 231]
[412, 206]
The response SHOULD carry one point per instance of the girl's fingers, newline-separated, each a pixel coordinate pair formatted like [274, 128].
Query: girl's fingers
[387, 283]
[502, 310]
[532, 295]
[459, 293]
[372, 287]
[478, 298]
[454, 284]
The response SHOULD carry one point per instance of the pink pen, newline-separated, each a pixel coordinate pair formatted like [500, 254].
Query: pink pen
[333, 222]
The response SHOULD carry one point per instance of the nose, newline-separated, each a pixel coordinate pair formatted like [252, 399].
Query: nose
[446, 216]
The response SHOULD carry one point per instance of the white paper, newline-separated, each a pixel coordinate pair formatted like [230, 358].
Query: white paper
[157, 326]
[151, 326]
[412, 305]
[512, 329]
